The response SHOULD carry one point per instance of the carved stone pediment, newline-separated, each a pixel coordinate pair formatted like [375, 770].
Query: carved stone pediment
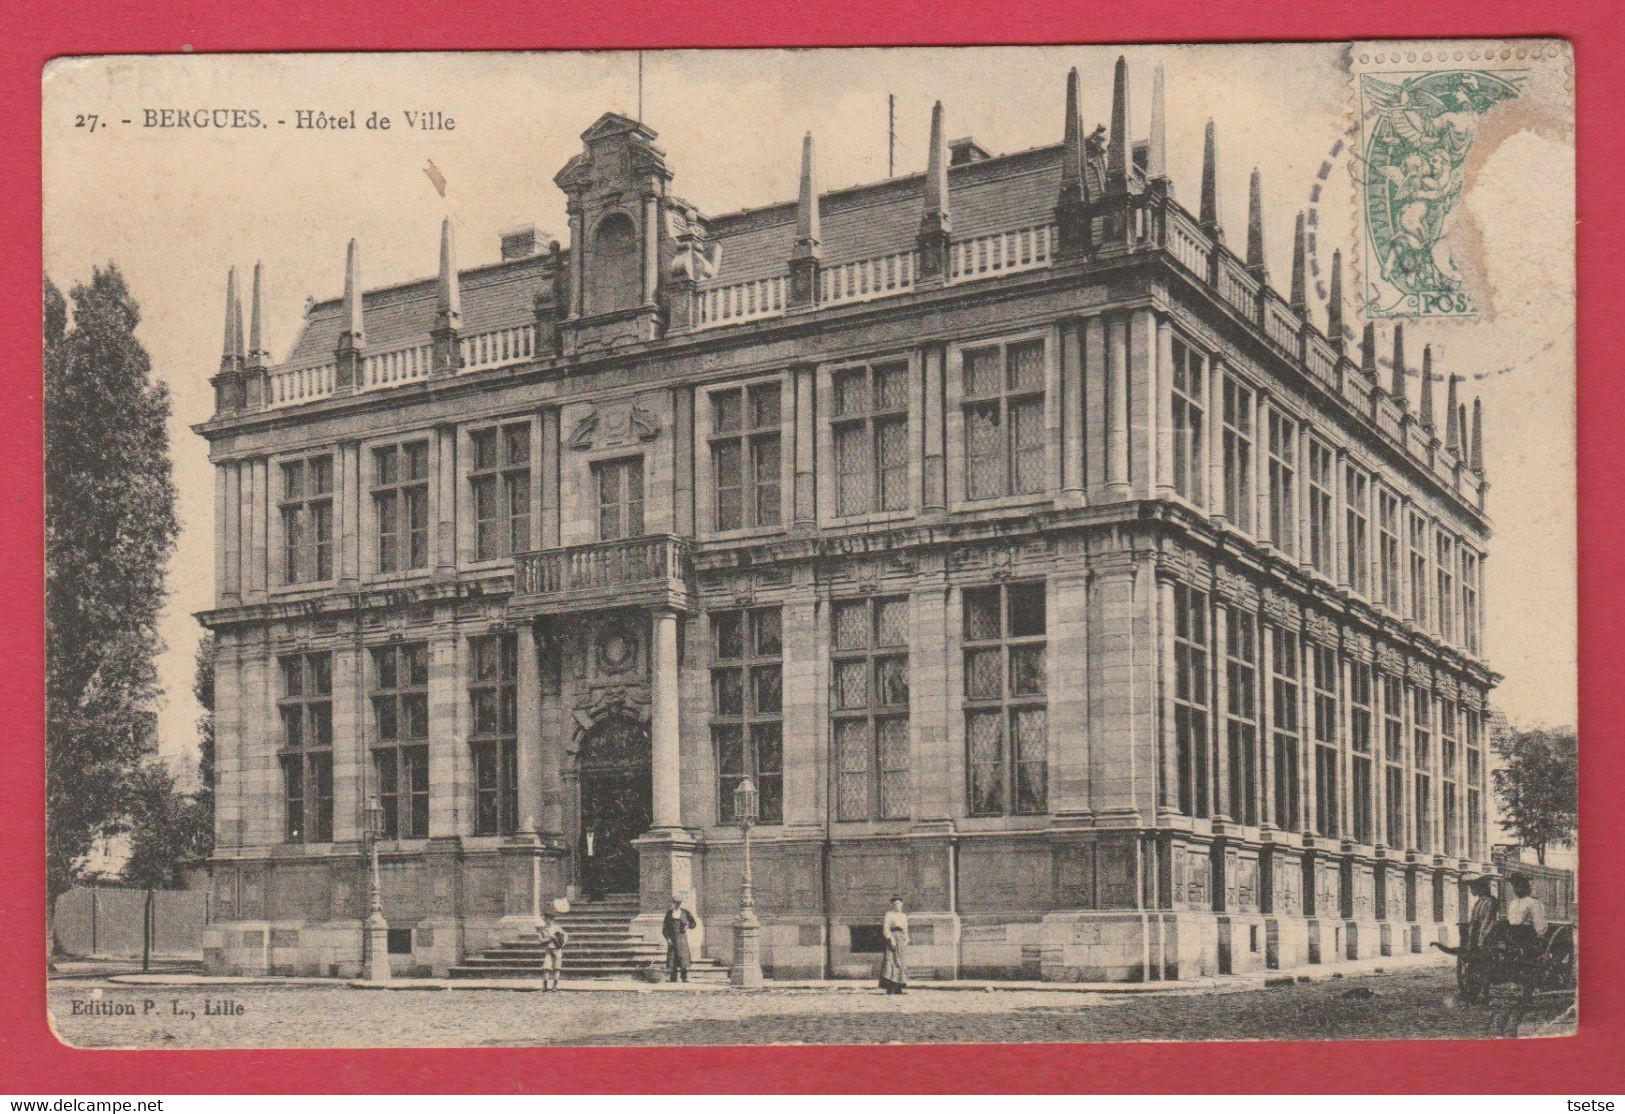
[614, 425]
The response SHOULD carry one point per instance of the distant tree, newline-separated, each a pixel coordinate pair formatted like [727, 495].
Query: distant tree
[169, 836]
[110, 528]
[203, 689]
[169, 830]
[1537, 785]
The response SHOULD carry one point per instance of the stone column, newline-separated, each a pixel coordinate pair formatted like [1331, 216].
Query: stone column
[1339, 530]
[1215, 441]
[258, 572]
[1170, 742]
[1304, 553]
[1223, 806]
[929, 699]
[222, 493]
[651, 248]
[529, 696]
[682, 441]
[445, 478]
[1165, 408]
[1261, 467]
[805, 440]
[1345, 750]
[664, 744]
[1141, 340]
[348, 557]
[1068, 734]
[1266, 725]
[550, 477]
[934, 356]
[1071, 414]
[1117, 448]
[578, 260]
[232, 588]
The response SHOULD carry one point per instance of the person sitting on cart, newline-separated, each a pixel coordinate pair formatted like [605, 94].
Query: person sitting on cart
[1526, 916]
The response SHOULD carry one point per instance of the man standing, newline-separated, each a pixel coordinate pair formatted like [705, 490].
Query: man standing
[675, 929]
[1486, 909]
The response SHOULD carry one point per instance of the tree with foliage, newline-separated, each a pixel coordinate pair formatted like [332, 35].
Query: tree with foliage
[203, 689]
[169, 830]
[1537, 785]
[110, 528]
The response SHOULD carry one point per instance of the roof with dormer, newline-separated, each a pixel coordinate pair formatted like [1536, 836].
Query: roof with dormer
[999, 193]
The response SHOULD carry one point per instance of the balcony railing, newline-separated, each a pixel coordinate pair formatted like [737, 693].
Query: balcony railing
[638, 571]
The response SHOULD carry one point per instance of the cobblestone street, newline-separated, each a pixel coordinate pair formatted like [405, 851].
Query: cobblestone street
[1418, 1003]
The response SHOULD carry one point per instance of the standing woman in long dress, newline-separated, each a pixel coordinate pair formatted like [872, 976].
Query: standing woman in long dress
[894, 967]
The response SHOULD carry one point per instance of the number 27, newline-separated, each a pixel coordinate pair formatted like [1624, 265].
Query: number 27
[83, 121]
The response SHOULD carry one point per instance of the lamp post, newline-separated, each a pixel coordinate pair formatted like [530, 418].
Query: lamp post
[747, 966]
[377, 966]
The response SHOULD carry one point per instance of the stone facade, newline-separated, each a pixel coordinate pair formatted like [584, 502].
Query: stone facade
[1045, 568]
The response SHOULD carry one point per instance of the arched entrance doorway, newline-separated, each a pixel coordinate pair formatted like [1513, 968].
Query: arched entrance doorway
[616, 802]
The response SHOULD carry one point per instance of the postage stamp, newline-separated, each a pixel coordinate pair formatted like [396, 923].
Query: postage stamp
[1427, 119]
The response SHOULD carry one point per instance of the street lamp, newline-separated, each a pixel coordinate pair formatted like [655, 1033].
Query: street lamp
[747, 968]
[377, 966]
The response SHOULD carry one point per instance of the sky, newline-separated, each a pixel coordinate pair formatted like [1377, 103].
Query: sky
[174, 207]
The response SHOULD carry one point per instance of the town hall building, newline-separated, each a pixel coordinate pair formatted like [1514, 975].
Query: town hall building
[1031, 555]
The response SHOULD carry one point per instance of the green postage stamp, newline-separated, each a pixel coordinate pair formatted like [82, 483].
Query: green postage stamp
[1430, 116]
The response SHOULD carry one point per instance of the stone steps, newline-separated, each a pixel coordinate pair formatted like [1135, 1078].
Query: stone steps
[601, 946]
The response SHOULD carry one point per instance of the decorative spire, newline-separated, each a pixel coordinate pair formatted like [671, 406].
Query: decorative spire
[936, 171]
[1156, 155]
[448, 304]
[1452, 418]
[1210, 184]
[353, 335]
[935, 223]
[228, 347]
[808, 232]
[1120, 152]
[1398, 389]
[1074, 165]
[256, 348]
[1255, 227]
[1334, 304]
[1475, 458]
[1427, 387]
[1368, 351]
[1300, 295]
[237, 353]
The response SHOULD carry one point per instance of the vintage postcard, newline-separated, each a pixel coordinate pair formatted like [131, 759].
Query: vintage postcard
[739, 546]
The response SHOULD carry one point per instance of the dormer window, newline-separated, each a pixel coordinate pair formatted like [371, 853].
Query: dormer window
[613, 266]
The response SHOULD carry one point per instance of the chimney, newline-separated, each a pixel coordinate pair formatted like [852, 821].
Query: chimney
[519, 243]
[965, 150]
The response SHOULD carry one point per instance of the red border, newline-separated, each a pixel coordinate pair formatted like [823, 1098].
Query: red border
[31, 1060]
